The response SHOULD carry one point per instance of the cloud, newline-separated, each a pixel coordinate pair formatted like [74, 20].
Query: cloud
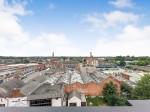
[114, 19]
[46, 43]
[14, 8]
[14, 41]
[131, 41]
[122, 3]
[119, 34]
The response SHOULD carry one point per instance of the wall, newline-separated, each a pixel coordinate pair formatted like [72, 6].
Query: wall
[125, 76]
[4, 101]
[91, 61]
[16, 93]
[75, 100]
[57, 102]
[91, 88]
[18, 102]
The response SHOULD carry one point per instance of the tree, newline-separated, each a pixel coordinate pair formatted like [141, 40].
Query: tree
[26, 61]
[122, 63]
[112, 97]
[142, 90]
[110, 89]
[126, 90]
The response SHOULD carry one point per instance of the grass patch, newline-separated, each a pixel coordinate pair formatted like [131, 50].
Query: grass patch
[95, 101]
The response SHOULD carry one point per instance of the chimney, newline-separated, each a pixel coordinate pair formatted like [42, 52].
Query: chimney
[91, 54]
[53, 54]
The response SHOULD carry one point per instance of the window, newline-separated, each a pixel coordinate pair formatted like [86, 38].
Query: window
[72, 104]
[83, 103]
[2, 105]
[41, 102]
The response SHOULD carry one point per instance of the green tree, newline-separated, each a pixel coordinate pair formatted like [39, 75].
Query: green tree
[110, 89]
[126, 90]
[26, 61]
[122, 63]
[112, 97]
[142, 90]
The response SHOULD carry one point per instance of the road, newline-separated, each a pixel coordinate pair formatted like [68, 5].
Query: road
[33, 75]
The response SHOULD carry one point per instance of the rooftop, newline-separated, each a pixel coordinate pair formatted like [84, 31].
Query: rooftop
[74, 94]
[46, 91]
[7, 87]
[70, 77]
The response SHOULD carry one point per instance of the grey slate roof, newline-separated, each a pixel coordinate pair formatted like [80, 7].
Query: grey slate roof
[7, 87]
[33, 84]
[39, 78]
[47, 91]
[29, 88]
[74, 93]
[96, 77]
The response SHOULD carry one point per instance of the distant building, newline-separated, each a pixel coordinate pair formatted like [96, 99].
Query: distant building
[54, 63]
[106, 64]
[91, 61]
[68, 65]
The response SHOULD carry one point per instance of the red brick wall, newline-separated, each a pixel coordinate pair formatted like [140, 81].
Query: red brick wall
[125, 76]
[16, 93]
[91, 88]
[41, 66]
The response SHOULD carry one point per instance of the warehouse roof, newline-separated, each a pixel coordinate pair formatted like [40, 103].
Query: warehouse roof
[71, 77]
[47, 91]
[33, 84]
[7, 87]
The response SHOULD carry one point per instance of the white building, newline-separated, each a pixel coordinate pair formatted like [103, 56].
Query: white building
[3, 102]
[56, 102]
[76, 99]
[47, 95]
[18, 102]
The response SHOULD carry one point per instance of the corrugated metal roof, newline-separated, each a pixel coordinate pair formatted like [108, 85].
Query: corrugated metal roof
[7, 87]
[47, 91]
[71, 77]
[39, 78]
[29, 88]
[33, 84]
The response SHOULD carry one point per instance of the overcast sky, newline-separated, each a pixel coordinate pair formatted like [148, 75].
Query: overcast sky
[74, 27]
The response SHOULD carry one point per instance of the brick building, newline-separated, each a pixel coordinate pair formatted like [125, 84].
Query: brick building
[88, 84]
[91, 61]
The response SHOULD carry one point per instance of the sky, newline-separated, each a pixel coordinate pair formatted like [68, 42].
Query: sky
[74, 27]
